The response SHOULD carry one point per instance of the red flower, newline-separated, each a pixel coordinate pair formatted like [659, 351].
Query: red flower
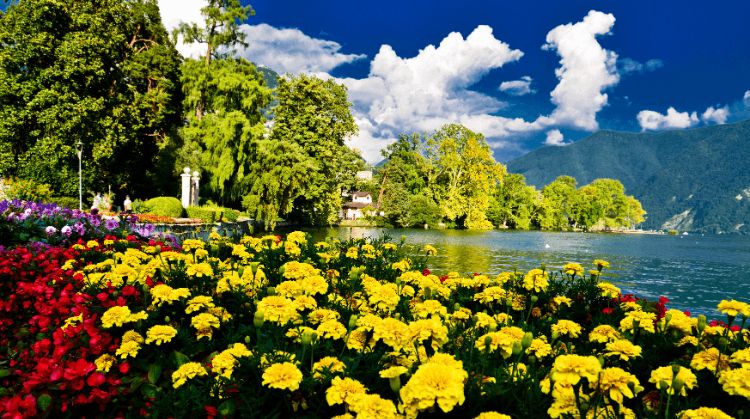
[663, 300]
[607, 310]
[687, 313]
[212, 412]
[96, 379]
[75, 372]
[425, 272]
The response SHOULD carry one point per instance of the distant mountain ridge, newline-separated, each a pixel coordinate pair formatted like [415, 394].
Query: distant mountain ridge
[689, 180]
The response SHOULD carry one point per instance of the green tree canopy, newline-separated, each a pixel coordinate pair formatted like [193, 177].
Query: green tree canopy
[100, 72]
[314, 114]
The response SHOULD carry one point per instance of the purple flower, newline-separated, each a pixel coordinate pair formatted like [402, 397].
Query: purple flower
[67, 231]
[111, 224]
[78, 228]
[50, 230]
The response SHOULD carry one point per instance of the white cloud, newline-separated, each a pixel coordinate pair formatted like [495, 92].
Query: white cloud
[554, 137]
[290, 50]
[174, 12]
[655, 121]
[718, 116]
[587, 69]
[517, 87]
[746, 99]
[627, 66]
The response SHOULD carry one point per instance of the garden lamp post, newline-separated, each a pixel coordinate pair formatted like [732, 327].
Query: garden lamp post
[79, 151]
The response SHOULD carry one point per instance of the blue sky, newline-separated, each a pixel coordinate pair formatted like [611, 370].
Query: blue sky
[525, 74]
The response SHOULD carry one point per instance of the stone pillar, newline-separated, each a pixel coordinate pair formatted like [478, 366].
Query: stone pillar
[186, 187]
[196, 187]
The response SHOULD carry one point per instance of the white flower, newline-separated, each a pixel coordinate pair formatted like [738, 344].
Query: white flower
[50, 230]
[66, 230]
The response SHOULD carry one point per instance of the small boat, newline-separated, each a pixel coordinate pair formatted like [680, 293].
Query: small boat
[685, 233]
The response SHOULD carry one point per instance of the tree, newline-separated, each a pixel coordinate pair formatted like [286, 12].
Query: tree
[635, 213]
[227, 95]
[280, 173]
[563, 201]
[100, 72]
[512, 204]
[315, 114]
[470, 173]
[220, 35]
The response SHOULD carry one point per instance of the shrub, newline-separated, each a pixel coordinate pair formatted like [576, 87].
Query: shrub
[26, 190]
[164, 205]
[65, 201]
[208, 215]
[672, 232]
[231, 215]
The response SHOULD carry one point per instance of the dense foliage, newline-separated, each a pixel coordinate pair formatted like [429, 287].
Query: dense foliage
[450, 176]
[102, 73]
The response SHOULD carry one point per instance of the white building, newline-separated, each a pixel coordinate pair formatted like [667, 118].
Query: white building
[351, 210]
[365, 175]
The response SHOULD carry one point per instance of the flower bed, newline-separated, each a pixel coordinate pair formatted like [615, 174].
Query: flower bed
[270, 328]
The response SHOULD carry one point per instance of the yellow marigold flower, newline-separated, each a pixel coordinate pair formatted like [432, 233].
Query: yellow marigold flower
[277, 309]
[623, 348]
[289, 289]
[741, 357]
[679, 322]
[329, 364]
[421, 330]
[613, 384]
[160, 334]
[384, 297]
[539, 347]
[561, 299]
[344, 390]
[305, 302]
[352, 253]
[667, 375]
[315, 284]
[688, 340]
[484, 320]
[646, 321]
[608, 290]
[709, 359]
[571, 368]
[388, 246]
[331, 329]
[132, 336]
[119, 315]
[429, 308]
[372, 406]
[631, 305]
[609, 412]
[733, 308]
[600, 264]
[105, 362]
[492, 415]
[393, 372]
[297, 332]
[433, 383]
[402, 265]
[565, 405]
[296, 270]
[201, 254]
[205, 321]
[186, 372]
[573, 269]
[536, 280]
[430, 250]
[225, 362]
[567, 327]
[736, 382]
[165, 294]
[190, 244]
[393, 333]
[200, 269]
[291, 249]
[604, 333]
[285, 376]
[322, 314]
[703, 413]
[199, 302]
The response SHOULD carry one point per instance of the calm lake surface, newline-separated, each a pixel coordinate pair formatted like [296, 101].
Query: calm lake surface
[694, 272]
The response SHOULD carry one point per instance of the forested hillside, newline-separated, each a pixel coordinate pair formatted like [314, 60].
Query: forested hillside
[694, 180]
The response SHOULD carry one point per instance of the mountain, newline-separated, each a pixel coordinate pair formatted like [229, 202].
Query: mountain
[269, 77]
[689, 180]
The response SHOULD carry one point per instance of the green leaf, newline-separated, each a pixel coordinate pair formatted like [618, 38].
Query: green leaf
[227, 408]
[4, 373]
[43, 402]
[149, 391]
[136, 383]
[180, 359]
[154, 372]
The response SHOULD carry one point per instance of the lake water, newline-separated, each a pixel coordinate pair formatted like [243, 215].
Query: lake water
[694, 272]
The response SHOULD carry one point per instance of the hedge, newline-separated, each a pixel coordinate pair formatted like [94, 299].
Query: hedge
[163, 205]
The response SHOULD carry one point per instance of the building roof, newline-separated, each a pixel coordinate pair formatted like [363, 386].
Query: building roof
[361, 194]
[358, 205]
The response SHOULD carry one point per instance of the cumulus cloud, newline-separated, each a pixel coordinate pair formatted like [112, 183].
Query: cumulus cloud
[554, 137]
[174, 12]
[654, 121]
[517, 87]
[717, 116]
[627, 66]
[587, 70]
[291, 51]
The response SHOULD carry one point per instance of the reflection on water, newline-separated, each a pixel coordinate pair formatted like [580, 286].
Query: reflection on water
[693, 272]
